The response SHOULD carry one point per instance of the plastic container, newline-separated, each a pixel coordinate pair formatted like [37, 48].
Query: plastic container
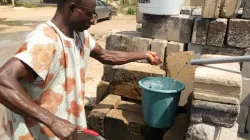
[160, 98]
[87, 134]
[161, 7]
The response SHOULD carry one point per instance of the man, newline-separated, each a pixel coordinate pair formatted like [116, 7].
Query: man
[43, 85]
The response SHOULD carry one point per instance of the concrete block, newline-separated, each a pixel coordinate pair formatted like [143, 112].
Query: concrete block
[126, 77]
[97, 115]
[123, 125]
[200, 131]
[197, 11]
[246, 10]
[248, 124]
[216, 32]
[108, 72]
[211, 8]
[208, 132]
[217, 114]
[218, 82]
[128, 41]
[190, 3]
[171, 28]
[186, 10]
[229, 8]
[176, 66]
[159, 46]
[242, 119]
[130, 106]
[245, 92]
[174, 47]
[200, 31]
[206, 49]
[238, 33]
[246, 67]
[200, 2]
[178, 130]
[138, 27]
[139, 16]
[101, 91]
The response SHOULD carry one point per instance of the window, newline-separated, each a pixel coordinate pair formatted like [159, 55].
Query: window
[97, 3]
[101, 3]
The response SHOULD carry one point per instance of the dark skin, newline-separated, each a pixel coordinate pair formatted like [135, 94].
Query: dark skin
[68, 17]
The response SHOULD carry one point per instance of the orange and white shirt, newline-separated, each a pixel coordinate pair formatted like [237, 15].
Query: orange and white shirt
[60, 63]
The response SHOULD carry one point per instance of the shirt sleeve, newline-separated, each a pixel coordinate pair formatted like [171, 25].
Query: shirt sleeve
[37, 52]
[89, 40]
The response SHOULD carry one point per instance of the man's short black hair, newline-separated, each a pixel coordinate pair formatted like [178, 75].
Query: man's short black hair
[61, 3]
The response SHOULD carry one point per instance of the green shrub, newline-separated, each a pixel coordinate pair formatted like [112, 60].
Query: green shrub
[131, 10]
[29, 5]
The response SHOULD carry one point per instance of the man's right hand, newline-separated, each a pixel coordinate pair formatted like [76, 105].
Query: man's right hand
[63, 129]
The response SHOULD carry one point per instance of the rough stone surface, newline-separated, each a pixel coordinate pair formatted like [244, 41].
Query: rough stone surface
[179, 129]
[159, 46]
[139, 16]
[174, 47]
[238, 33]
[208, 132]
[200, 31]
[245, 92]
[171, 28]
[128, 41]
[242, 119]
[97, 115]
[218, 82]
[206, 49]
[217, 114]
[101, 90]
[138, 27]
[127, 77]
[197, 11]
[123, 125]
[246, 67]
[177, 68]
[200, 132]
[246, 10]
[216, 32]
[186, 10]
[130, 106]
[229, 8]
[211, 8]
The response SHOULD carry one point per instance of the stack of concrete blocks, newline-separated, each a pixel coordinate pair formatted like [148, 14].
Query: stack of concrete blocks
[196, 32]
[216, 101]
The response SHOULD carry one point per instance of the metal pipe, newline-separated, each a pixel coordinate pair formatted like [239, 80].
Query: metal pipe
[232, 59]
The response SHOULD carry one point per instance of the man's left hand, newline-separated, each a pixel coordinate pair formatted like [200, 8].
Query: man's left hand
[153, 58]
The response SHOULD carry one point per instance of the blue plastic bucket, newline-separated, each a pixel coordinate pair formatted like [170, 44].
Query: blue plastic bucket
[160, 98]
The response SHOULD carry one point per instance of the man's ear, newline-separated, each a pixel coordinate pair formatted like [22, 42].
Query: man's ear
[72, 7]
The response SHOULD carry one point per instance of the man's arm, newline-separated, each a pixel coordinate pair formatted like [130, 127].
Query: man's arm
[14, 97]
[118, 57]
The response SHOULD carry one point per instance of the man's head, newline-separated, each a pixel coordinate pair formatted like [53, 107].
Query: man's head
[77, 13]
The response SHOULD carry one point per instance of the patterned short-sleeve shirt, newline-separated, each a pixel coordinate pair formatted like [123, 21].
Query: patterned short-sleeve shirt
[60, 63]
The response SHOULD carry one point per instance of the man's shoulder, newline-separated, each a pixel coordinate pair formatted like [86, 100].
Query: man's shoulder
[42, 31]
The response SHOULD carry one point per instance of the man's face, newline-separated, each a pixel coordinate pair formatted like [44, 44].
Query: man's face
[81, 15]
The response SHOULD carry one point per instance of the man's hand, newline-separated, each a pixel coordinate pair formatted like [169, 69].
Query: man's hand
[153, 58]
[63, 129]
